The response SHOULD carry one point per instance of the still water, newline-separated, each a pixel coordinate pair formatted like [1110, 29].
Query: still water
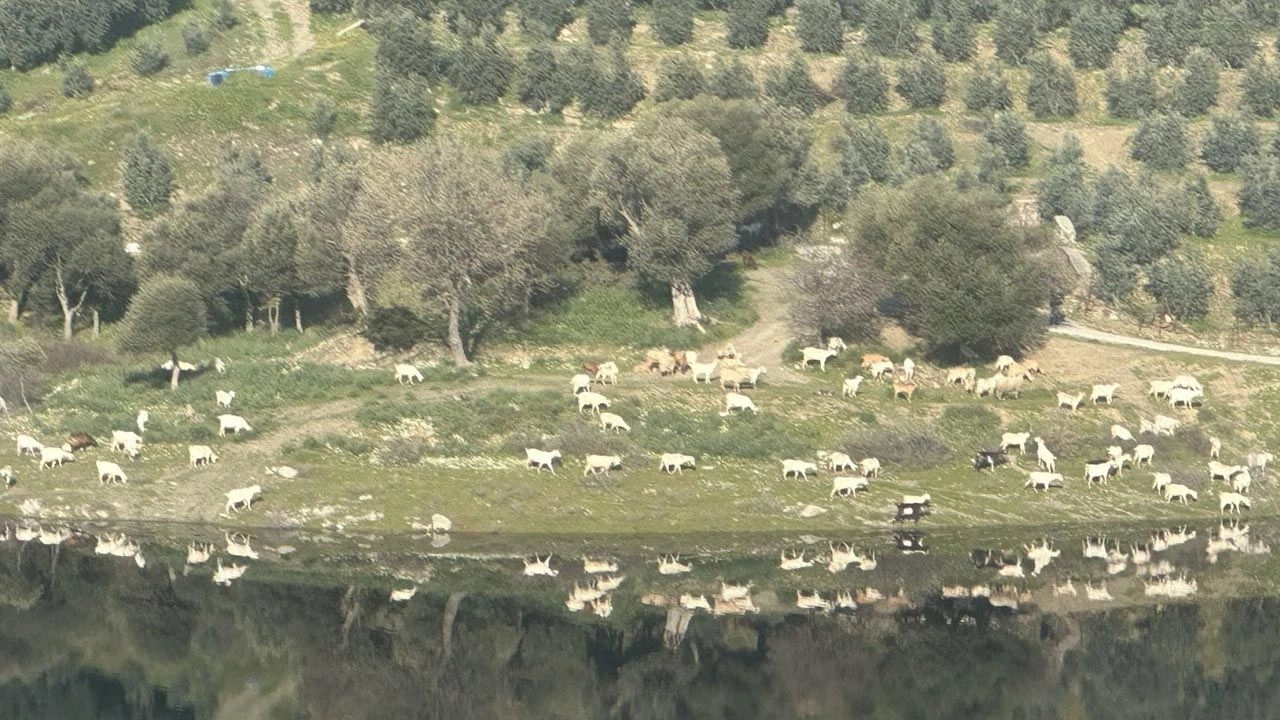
[1191, 628]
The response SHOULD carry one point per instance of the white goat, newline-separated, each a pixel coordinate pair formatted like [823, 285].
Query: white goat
[224, 575]
[963, 376]
[1012, 440]
[798, 468]
[28, 445]
[847, 486]
[1044, 458]
[406, 373]
[201, 455]
[908, 369]
[850, 387]
[1103, 392]
[51, 456]
[1232, 501]
[539, 566]
[703, 370]
[610, 421]
[238, 546]
[1039, 480]
[199, 553]
[542, 459]
[1160, 388]
[1160, 481]
[1143, 453]
[233, 423]
[580, 383]
[597, 464]
[592, 566]
[838, 461]
[1182, 396]
[675, 463]
[593, 401]
[110, 472]
[736, 401]
[793, 561]
[870, 467]
[143, 418]
[1176, 491]
[242, 496]
[1069, 401]
[1259, 459]
[817, 355]
[881, 370]
[224, 398]
[404, 594]
[671, 565]
[1215, 448]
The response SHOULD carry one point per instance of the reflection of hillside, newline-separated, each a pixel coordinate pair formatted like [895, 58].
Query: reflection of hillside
[142, 641]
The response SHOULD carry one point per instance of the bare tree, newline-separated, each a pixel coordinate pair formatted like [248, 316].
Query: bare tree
[471, 236]
[835, 293]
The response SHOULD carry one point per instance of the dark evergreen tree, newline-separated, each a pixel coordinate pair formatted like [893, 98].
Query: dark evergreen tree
[482, 70]
[1131, 89]
[922, 80]
[953, 31]
[1017, 32]
[790, 85]
[931, 134]
[1051, 88]
[1205, 215]
[1095, 34]
[1008, 135]
[679, 78]
[543, 83]
[470, 18]
[987, 89]
[1197, 89]
[863, 85]
[819, 27]
[544, 19]
[401, 110]
[76, 80]
[612, 94]
[747, 25]
[889, 27]
[1062, 191]
[1160, 142]
[194, 38]
[148, 176]
[1260, 88]
[1181, 287]
[673, 20]
[865, 155]
[1228, 32]
[405, 46]
[1231, 139]
[1170, 31]
[609, 21]
[732, 80]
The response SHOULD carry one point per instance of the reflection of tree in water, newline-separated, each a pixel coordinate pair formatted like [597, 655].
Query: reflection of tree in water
[101, 641]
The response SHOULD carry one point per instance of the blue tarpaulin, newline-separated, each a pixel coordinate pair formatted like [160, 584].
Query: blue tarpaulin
[217, 77]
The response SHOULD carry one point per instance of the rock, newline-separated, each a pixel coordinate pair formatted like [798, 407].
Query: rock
[284, 550]
[1066, 231]
[440, 523]
[809, 511]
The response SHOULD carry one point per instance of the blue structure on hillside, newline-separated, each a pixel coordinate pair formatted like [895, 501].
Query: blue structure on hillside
[217, 77]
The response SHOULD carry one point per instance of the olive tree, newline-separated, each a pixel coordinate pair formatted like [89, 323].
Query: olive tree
[669, 188]
[836, 293]
[167, 314]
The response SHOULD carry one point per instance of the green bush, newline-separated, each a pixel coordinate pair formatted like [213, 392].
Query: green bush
[819, 27]
[1008, 135]
[149, 58]
[790, 85]
[324, 118]
[863, 85]
[1095, 35]
[401, 110]
[609, 21]
[953, 35]
[1016, 33]
[6, 100]
[1182, 287]
[544, 84]
[1260, 88]
[1259, 196]
[148, 177]
[678, 79]
[76, 81]
[544, 19]
[1197, 89]
[1228, 32]
[482, 71]
[922, 81]
[1062, 191]
[889, 28]
[195, 38]
[930, 133]
[1230, 140]
[395, 328]
[1051, 89]
[1204, 216]
[1170, 31]
[909, 448]
[747, 25]
[732, 80]
[1160, 142]
[1131, 89]
[987, 89]
[673, 20]
[224, 15]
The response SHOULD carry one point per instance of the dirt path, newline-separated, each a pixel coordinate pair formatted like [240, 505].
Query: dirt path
[1084, 333]
[764, 342]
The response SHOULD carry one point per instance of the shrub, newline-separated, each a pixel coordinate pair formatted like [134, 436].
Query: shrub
[819, 27]
[910, 448]
[324, 118]
[673, 20]
[1169, 31]
[732, 80]
[953, 36]
[466, 18]
[1256, 289]
[482, 71]
[931, 134]
[1062, 191]
[865, 154]
[747, 25]
[889, 27]
[1182, 287]
[1016, 33]
[1160, 142]
[863, 85]
[1051, 89]
[76, 81]
[986, 89]
[1095, 34]
[607, 95]
[1008, 135]
[405, 46]
[678, 79]
[149, 58]
[1131, 89]
[195, 39]
[544, 19]
[1259, 196]
[790, 85]
[224, 15]
[1204, 214]
[1260, 88]
[394, 328]
[1197, 89]
[400, 111]
[543, 83]
[1228, 33]
[922, 81]
[1230, 140]
[1115, 277]
[148, 176]
[609, 21]
[6, 100]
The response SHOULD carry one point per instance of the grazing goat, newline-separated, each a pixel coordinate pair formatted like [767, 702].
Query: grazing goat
[1069, 401]
[610, 421]
[601, 463]
[224, 575]
[110, 472]
[794, 561]
[837, 344]
[1160, 481]
[542, 459]
[127, 441]
[1160, 388]
[811, 600]
[820, 356]
[1003, 362]
[703, 370]
[1165, 425]
[1176, 491]
[1215, 448]
[1220, 471]
[607, 373]
[1241, 480]
[1039, 480]
[903, 389]
[963, 376]
[1008, 386]
[199, 455]
[80, 441]
[28, 445]
[881, 370]
[910, 511]
[908, 369]
[847, 486]
[580, 383]
[1143, 453]
[736, 377]
[1119, 432]
[592, 566]
[1259, 460]
[838, 461]
[238, 546]
[870, 467]
[1100, 470]
[224, 398]
[1232, 501]
[232, 423]
[1183, 397]
[870, 359]
[675, 463]
[989, 459]
[51, 456]
[736, 401]
[798, 468]
[671, 565]
[407, 373]
[593, 401]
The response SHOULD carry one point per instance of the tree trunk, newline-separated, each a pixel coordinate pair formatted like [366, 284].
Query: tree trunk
[69, 311]
[97, 324]
[685, 306]
[13, 311]
[355, 292]
[173, 376]
[456, 348]
[297, 319]
[67, 317]
[248, 318]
